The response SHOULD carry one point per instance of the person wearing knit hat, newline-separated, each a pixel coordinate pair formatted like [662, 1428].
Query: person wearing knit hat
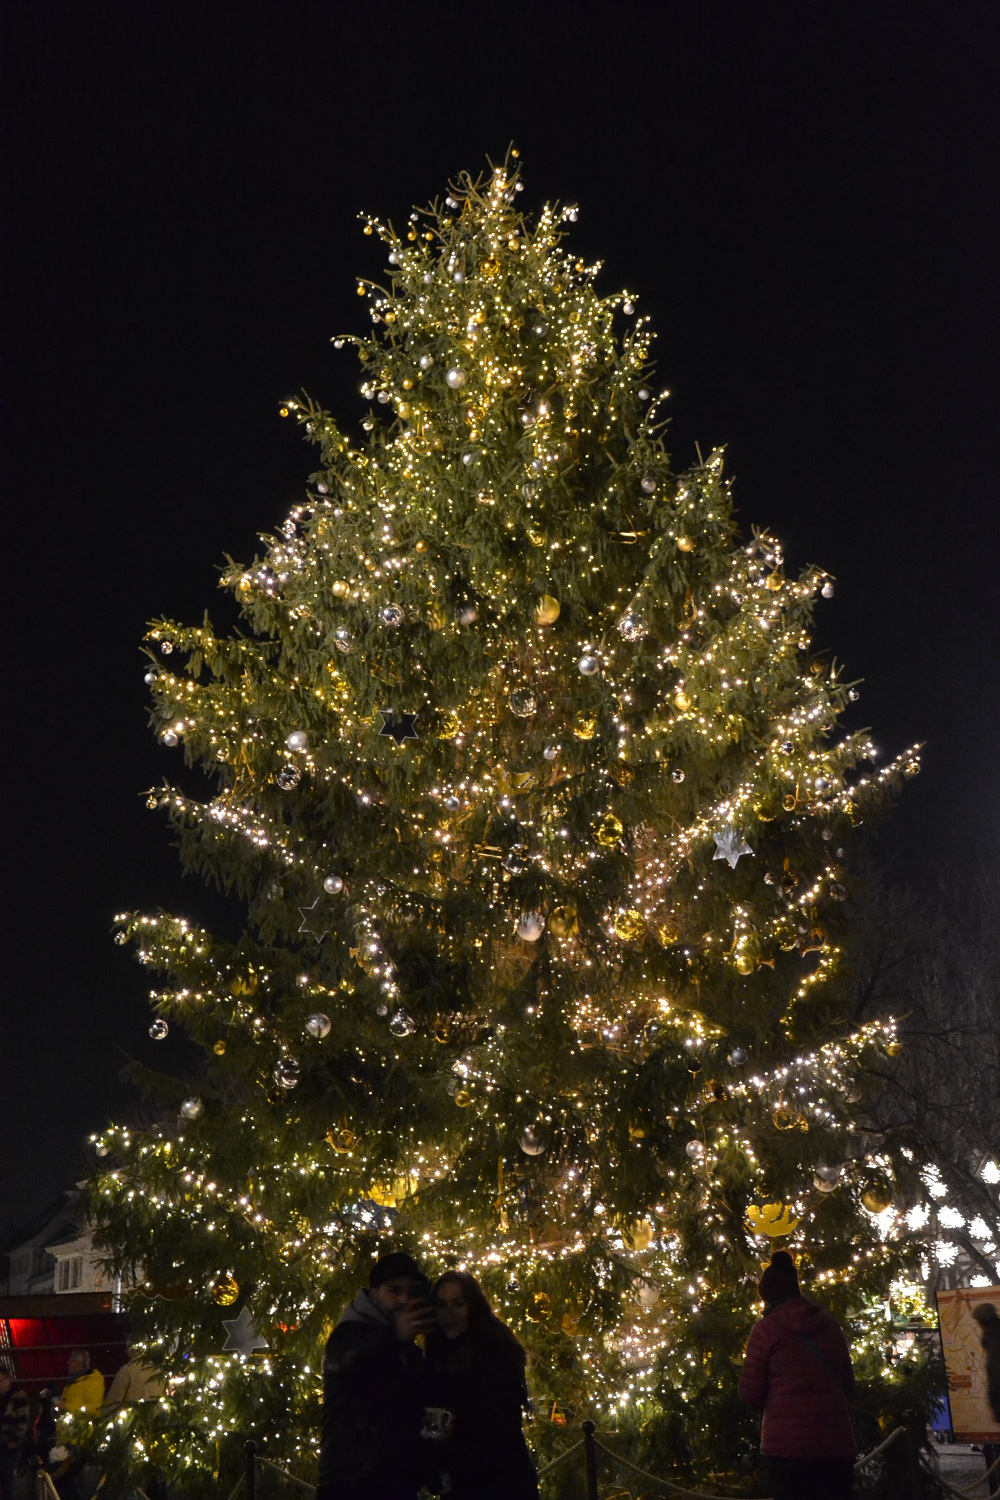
[797, 1369]
[373, 1388]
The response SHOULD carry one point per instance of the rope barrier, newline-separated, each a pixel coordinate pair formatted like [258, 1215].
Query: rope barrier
[304, 1483]
[237, 1487]
[966, 1491]
[569, 1451]
[866, 1458]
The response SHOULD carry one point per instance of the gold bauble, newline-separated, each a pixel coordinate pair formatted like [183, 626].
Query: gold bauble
[226, 1290]
[540, 1309]
[638, 1129]
[744, 963]
[463, 1098]
[629, 924]
[490, 268]
[642, 1234]
[407, 384]
[681, 700]
[442, 1032]
[341, 588]
[774, 1219]
[607, 830]
[783, 1118]
[343, 1140]
[404, 408]
[585, 726]
[448, 726]
[563, 922]
[421, 545]
[547, 610]
[877, 1197]
[219, 1048]
[668, 932]
[774, 582]
[282, 411]
[621, 774]
[536, 536]
[685, 544]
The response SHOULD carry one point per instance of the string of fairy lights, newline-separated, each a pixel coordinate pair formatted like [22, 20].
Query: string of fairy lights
[518, 711]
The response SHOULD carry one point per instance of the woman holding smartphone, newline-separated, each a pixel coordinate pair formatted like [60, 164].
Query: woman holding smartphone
[476, 1393]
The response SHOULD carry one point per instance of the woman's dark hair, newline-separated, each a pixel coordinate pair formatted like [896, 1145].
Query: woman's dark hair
[483, 1322]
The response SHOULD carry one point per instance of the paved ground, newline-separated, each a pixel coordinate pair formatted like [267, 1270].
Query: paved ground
[960, 1466]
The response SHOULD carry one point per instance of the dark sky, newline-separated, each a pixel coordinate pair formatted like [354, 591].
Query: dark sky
[804, 195]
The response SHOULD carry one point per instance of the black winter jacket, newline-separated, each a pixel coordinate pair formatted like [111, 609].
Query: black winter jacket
[481, 1381]
[372, 1408]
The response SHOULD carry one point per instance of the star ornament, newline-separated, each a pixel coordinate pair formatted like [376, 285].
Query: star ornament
[397, 727]
[241, 1336]
[312, 921]
[730, 845]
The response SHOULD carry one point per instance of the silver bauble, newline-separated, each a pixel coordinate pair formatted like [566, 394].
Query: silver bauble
[288, 777]
[343, 639]
[467, 614]
[287, 1071]
[455, 377]
[318, 1025]
[452, 803]
[588, 665]
[297, 741]
[551, 752]
[523, 703]
[401, 1023]
[737, 1057]
[333, 885]
[159, 1029]
[825, 1179]
[631, 627]
[695, 1150]
[530, 926]
[192, 1109]
[532, 1140]
[391, 615]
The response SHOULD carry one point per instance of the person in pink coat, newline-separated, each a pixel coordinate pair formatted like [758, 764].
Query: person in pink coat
[798, 1369]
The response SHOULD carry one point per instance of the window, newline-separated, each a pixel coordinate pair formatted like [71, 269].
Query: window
[69, 1273]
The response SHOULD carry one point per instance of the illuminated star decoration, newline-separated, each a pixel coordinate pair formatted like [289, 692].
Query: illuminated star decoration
[311, 919]
[398, 727]
[730, 845]
[241, 1336]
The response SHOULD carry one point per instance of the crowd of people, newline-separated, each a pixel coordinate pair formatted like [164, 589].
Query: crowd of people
[448, 1417]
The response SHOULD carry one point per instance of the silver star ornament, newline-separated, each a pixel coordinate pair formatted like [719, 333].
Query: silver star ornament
[730, 845]
[241, 1336]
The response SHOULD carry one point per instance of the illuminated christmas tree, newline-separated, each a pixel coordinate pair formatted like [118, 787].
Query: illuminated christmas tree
[534, 796]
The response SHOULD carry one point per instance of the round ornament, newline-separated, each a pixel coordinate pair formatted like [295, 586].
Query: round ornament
[225, 1291]
[168, 738]
[219, 1048]
[514, 862]
[629, 924]
[685, 544]
[392, 615]
[631, 627]
[333, 885]
[192, 1109]
[638, 1129]
[648, 1293]
[287, 1071]
[523, 703]
[827, 591]
[452, 803]
[825, 1179]
[695, 1150]
[737, 1057]
[341, 1140]
[530, 926]
[588, 665]
[343, 640]
[455, 377]
[677, 775]
[401, 1023]
[318, 1025]
[341, 588]
[681, 701]
[448, 726]
[297, 741]
[547, 610]
[772, 1219]
[877, 1197]
[158, 1030]
[551, 752]
[463, 1098]
[563, 922]
[584, 726]
[648, 484]
[426, 361]
[532, 1140]
[467, 614]
[288, 777]
[607, 830]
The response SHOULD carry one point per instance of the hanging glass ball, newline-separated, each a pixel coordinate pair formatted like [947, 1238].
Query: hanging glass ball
[825, 1179]
[333, 885]
[677, 775]
[219, 1048]
[631, 628]
[607, 830]
[588, 665]
[530, 925]
[547, 610]
[297, 741]
[287, 1071]
[391, 615]
[514, 862]
[551, 752]
[584, 726]
[401, 1023]
[289, 777]
[629, 924]
[169, 738]
[100, 1149]
[343, 639]
[737, 1057]
[827, 591]
[523, 703]
[318, 1025]
[467, 614]
[192, 1109]
[563, 922]
[150, 677]
[685, 544]
[643, 393]
[225, 1291]
[462, 1098]
[877, 1197]
[648, 1293]
[695, 1150]
[838, 891]
[648, 483]
[426, 361]
[532, 1140]
[159, 1029]
[455, 377]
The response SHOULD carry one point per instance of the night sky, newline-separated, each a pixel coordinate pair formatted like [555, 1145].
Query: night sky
[805, 197]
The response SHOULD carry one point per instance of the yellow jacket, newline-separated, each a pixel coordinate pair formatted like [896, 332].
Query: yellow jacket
[85, 1393]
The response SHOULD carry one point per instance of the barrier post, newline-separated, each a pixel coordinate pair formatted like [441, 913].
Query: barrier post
[590, 1460]
[914, 1425]
[251, 1471]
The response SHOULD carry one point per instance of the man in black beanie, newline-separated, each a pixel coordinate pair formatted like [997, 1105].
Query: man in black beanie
[372, 1399]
